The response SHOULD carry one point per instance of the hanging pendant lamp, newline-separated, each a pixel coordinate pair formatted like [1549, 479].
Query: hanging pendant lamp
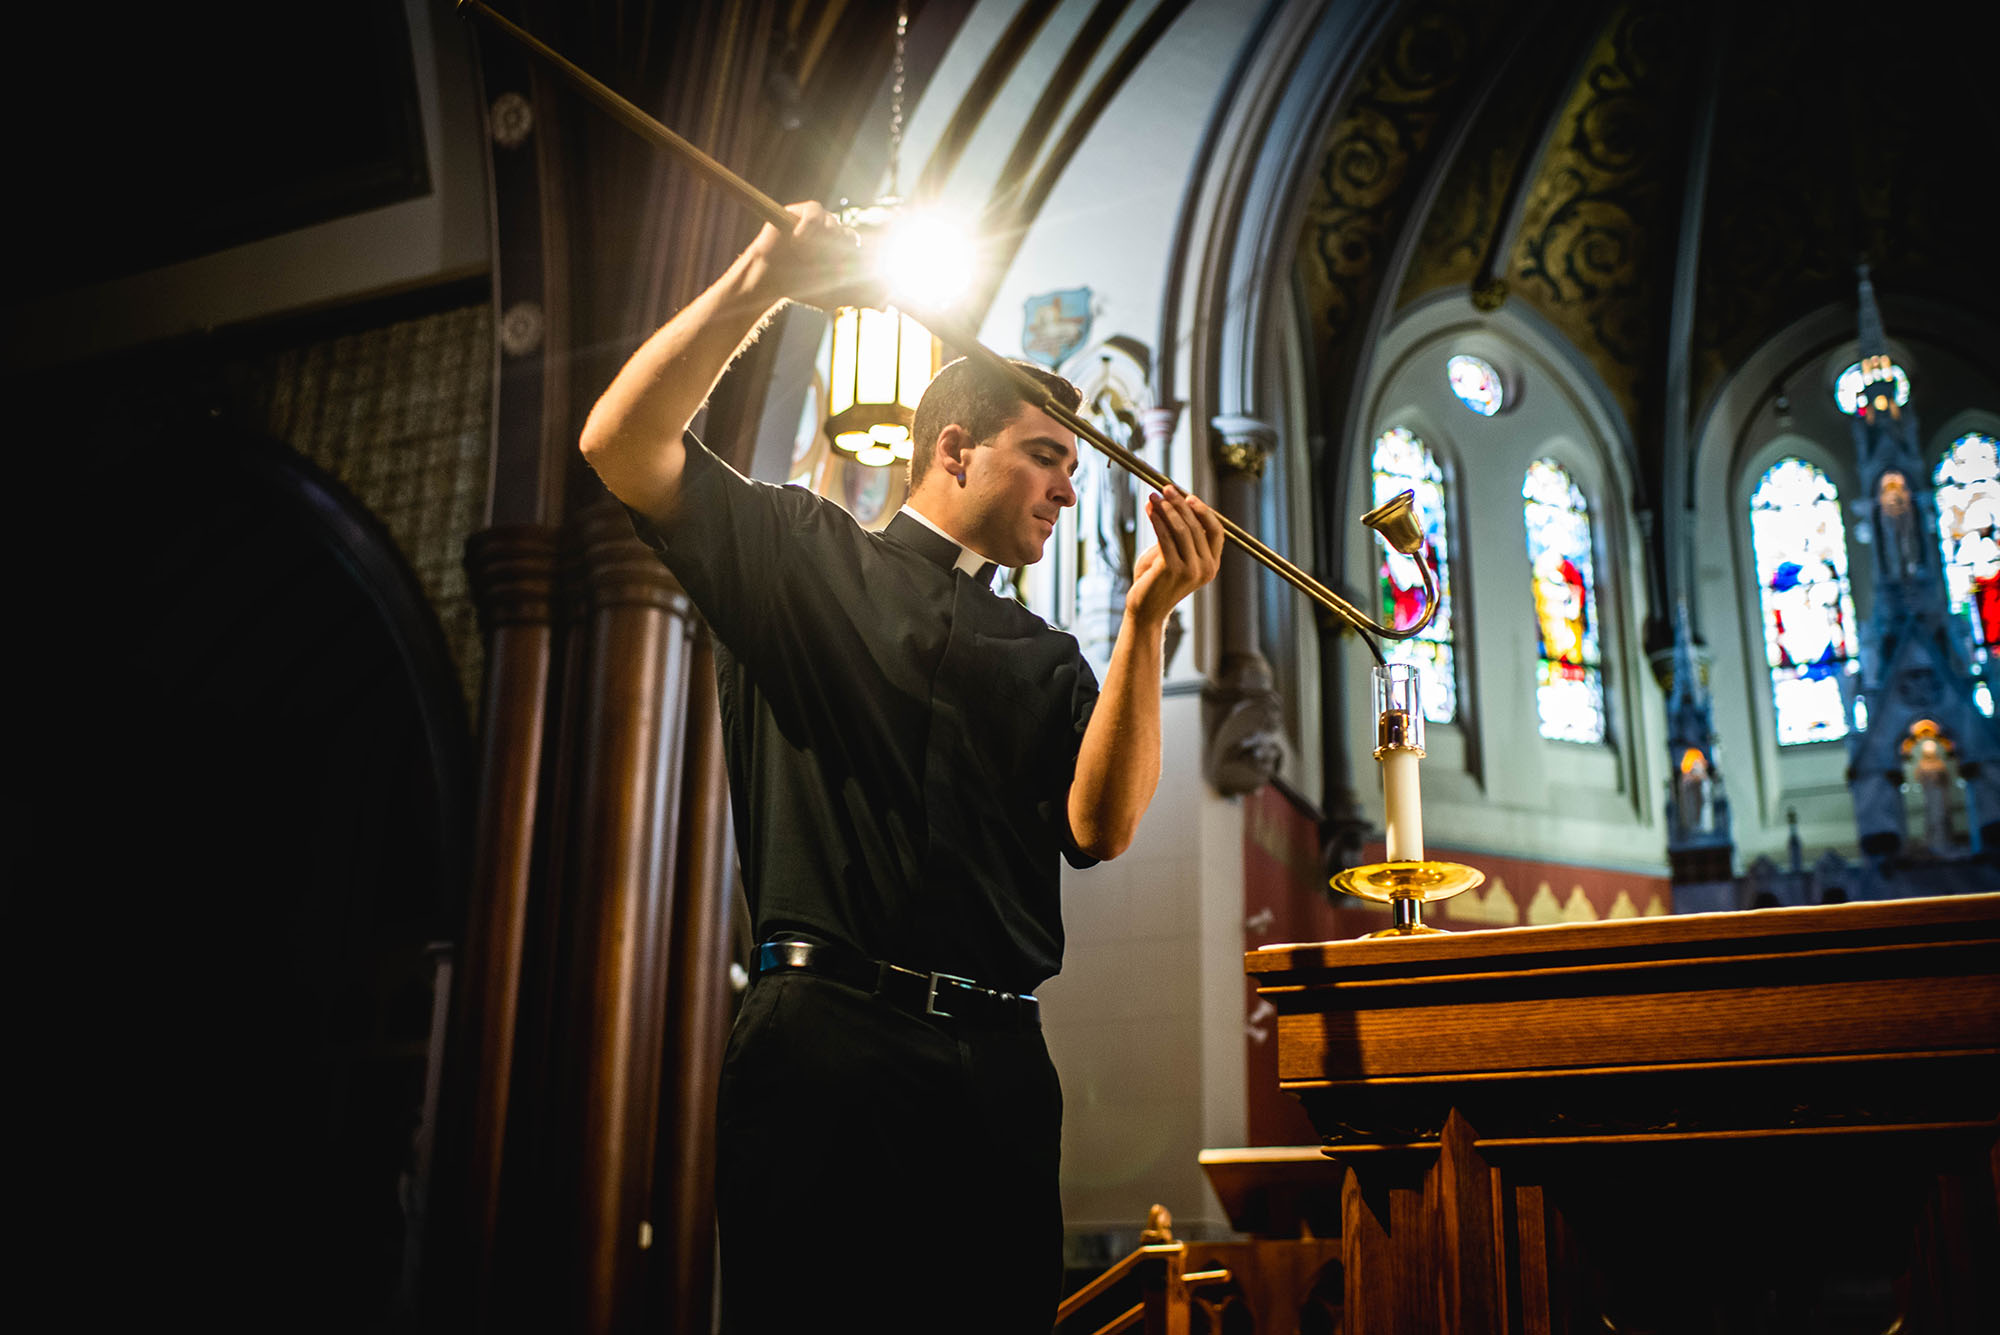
[882, 359]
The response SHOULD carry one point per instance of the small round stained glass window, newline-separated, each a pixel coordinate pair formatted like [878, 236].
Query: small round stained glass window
[1847, 389]
[1476, 383]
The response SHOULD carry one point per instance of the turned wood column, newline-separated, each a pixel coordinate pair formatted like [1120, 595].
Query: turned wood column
[698, 1015]
[1242, 719]
[511, 571]
[627, 797]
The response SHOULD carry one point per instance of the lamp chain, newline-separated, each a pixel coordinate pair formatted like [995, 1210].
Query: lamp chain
[896, 97]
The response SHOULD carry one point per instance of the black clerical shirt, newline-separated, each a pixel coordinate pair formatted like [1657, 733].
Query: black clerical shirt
[900, 739]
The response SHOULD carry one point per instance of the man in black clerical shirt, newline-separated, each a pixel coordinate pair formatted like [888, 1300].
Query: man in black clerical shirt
[910, 754]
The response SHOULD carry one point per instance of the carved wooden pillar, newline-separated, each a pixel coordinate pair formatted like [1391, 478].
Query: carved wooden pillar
[610, 1008]
[1242, 718]
[698, 1016]
[1420, 1243]
[496, 1028]
[511, 570]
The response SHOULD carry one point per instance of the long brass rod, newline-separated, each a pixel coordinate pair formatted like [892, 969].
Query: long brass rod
[765, 207]
[1031, 390]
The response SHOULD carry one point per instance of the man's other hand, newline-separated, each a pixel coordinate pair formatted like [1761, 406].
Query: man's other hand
[1187, 556]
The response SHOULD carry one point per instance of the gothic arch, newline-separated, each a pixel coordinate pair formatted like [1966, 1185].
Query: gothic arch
[274, 722]
[1985, 420]
[1779, 403]
[1558, 409]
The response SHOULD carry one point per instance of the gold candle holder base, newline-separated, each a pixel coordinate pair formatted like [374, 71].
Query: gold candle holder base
[1405, 887]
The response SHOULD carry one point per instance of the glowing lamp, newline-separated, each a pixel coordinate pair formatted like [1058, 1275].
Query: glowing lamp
[882, 359]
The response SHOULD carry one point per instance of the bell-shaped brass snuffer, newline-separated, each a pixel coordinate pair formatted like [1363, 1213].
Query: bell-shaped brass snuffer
[1396, 520]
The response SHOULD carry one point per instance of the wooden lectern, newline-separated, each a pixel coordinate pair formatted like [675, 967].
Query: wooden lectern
[1769, 1121]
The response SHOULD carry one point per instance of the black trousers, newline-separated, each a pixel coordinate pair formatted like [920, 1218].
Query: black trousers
[883, 1170]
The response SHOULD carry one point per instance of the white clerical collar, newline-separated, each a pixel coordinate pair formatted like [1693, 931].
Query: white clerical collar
[968, 560]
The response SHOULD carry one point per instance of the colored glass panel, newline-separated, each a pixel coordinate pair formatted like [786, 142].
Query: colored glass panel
[1569, 687]
[1848, 385]
[1968, 506]
[1402, 462]
[1800, 547]
[1476, 383]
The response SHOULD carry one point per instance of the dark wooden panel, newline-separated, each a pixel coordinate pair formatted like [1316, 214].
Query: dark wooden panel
[1653, 1027]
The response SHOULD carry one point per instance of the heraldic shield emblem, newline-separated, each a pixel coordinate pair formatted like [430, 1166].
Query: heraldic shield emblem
[1055, 324]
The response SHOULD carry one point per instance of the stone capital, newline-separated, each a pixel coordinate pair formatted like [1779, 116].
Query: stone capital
[1242, 444]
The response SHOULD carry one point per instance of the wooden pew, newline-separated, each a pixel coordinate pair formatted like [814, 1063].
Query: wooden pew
[1778, 1120]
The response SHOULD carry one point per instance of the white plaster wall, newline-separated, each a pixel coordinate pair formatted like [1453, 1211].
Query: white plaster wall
[1144, 1022]
[440, 236]
[1108, 222]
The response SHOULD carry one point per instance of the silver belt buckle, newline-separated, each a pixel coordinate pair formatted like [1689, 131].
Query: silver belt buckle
[930, 1001]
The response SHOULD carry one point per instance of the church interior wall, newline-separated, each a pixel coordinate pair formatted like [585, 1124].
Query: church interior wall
[1146, 1021]
[1491, 781]
[1778, 405]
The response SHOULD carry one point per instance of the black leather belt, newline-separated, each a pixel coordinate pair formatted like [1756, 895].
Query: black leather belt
[941, 995]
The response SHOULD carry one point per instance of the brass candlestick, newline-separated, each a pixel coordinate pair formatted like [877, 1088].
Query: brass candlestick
[1406, 881]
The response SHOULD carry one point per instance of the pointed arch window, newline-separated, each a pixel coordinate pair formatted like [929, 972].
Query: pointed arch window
[1968, 505]
[1402, 462]
[1800, 546]
[1569, 689]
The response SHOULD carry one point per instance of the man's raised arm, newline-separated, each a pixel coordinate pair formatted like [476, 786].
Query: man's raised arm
[1118, 764]
[633, 435]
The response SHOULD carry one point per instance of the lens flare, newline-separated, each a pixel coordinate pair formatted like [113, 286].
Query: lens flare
[927, 260]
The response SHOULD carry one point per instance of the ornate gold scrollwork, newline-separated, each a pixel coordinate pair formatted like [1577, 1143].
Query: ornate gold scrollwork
[1243, 456]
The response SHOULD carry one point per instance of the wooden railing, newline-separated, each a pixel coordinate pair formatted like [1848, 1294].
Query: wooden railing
[1164, 1283]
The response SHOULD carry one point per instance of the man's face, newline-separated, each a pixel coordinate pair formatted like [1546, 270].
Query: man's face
[1017, 484]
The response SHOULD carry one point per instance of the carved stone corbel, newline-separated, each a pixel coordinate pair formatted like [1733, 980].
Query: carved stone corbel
[1242, 716]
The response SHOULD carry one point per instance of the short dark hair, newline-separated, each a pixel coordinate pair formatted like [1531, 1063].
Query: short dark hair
[966, 394]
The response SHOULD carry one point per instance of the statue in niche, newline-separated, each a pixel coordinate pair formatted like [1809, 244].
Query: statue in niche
[1111, 515]
[1694, 807]
[1107, 518]
[1929, 753]
[1902, 551]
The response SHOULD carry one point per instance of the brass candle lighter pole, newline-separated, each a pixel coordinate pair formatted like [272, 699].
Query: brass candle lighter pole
[1395, 520]
[771, 211]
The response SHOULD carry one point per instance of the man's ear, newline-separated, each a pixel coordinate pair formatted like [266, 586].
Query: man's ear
[954, 445]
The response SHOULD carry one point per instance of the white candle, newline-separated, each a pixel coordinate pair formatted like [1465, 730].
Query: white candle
[1403, 808]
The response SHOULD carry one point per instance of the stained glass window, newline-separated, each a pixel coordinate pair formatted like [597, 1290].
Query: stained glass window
[1404, 463]
[1847, 388]
[1800, 547]
[1569, 689]
[1476, 383]
[1968, 505]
